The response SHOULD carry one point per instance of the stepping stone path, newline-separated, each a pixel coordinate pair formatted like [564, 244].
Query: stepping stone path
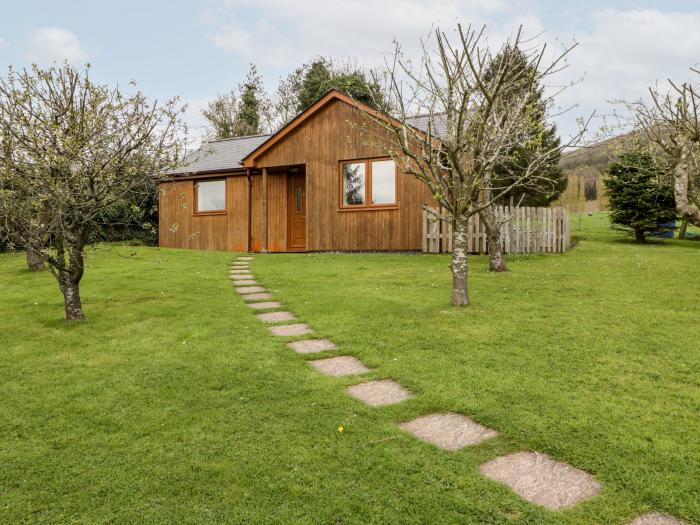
[290, 330]
[541, 480]
[532, 475]
[275, 317]
[448, 431]
[250, 289]
[256, 297]
[379, 393]
[654, 518]
[311, 346]
[265, 306]
[344, 365]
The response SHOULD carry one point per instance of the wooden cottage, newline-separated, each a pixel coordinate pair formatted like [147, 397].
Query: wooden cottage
[315, 185]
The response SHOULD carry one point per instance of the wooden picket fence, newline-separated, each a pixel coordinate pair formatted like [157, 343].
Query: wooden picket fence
[524, 230]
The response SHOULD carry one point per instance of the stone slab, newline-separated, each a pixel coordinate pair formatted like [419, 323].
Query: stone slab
[244, 258]
[655, 518]
[265, 306]
[448, 431]
[379, 393]
[245, 282]
[256, 297]
[240, 276]
[541, 480]
[311, 346]
[236, 265]
[275, 317]
[343, 365]
[239, 270]
[246, 290]
[290, 330]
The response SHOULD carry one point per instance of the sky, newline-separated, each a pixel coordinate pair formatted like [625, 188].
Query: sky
[199, 48]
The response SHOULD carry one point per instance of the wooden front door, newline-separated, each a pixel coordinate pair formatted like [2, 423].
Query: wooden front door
[296, 209]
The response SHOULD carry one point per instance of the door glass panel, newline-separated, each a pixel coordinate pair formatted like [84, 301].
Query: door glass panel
[353, 183]
[383, 182]
[299, 199]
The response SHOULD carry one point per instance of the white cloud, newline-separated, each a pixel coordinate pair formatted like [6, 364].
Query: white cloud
[55, 44]
[622, 53]
[3, 44]
[280, 33]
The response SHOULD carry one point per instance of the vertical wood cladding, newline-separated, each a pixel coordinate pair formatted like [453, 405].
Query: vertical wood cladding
[326, 138]
[331, 135]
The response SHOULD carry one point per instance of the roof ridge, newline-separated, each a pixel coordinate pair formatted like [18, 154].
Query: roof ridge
[240, 138]
[426, 115]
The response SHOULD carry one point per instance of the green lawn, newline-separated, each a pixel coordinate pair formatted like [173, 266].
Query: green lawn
[172, 404]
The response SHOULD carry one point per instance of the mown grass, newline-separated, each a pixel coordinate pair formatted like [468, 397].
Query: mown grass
[172, 404]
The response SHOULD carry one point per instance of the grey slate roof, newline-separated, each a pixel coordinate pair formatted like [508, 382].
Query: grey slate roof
[225, 154]
[421, 122]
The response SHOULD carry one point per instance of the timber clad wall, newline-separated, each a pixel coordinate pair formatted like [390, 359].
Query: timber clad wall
[179, 227]
[321, 143]
[331, 135]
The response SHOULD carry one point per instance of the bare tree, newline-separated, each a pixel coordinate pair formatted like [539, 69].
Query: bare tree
[243, 111]
[670, 122]
[474, 111]
[222, 114]
[77, 152]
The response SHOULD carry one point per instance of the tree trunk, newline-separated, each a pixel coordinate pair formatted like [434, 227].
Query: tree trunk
[69, 275]
[682, 185]
[639, 236]
[35, 261]
[460, 270]
[683, 229]
[493, 241]
[71, 300]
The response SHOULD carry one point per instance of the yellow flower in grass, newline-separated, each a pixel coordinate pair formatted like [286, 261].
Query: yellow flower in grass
[341, 429]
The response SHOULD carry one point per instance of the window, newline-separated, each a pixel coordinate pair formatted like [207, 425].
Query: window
[210, 196]
[353, 184]
[368, 183]
[383, 182]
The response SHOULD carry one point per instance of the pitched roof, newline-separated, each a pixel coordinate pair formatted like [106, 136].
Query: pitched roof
[419, 122]
[439, 123]
[219, 155]
[330, 95]
[237, 153]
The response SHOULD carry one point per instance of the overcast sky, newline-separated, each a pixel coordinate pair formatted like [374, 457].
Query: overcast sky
[196, 49]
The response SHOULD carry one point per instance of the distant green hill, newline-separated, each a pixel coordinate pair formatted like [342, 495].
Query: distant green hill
[587, 159]
[585, 168]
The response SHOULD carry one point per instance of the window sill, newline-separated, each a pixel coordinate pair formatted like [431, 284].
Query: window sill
[369, 208]
[205, 213]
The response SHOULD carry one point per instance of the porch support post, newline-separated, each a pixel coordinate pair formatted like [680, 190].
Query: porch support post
[264, 211]
[248, 239]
